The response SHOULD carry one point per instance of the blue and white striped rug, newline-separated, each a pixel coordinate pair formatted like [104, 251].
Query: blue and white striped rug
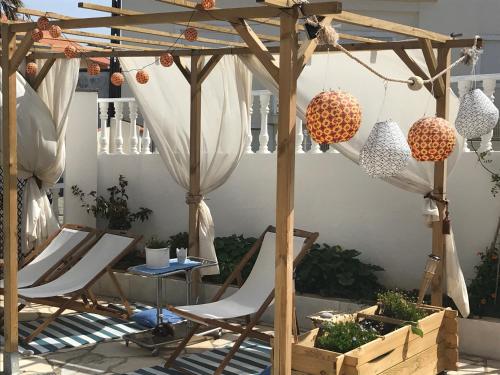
[252, 358]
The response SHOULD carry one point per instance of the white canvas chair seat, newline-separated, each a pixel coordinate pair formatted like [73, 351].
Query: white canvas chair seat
[62, 244]
[100, 256]
[250, 297]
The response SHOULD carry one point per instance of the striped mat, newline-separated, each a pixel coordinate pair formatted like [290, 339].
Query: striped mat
[252, 358]
[73, 331]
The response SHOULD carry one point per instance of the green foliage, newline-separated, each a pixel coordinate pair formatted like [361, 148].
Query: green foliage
[482, 289]
[178, 241]
[331, 271]
[155, 243]
[8, 8]
[345, 336]
[113, 208]
[398, 305]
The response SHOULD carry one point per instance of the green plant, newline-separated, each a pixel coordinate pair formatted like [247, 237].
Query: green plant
[483, 288]
[113, 208]
[343, 337]
[334, 272]
[9, 8]
[155, 243]
[396, 304]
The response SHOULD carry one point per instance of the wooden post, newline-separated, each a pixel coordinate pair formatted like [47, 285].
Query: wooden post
[9, 148]
[440, 177]
[283, 315]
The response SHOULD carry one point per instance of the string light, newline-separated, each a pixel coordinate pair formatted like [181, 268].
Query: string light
[117, 79]
[36, 35]
[208, 4]
[166, 60]
[142, 77]
[43, 23]
[191, 34]
[70, 51]
[31, 69]
[55, 31]
[93, 69]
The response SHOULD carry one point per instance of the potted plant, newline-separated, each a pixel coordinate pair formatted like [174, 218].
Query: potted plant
[157, 253]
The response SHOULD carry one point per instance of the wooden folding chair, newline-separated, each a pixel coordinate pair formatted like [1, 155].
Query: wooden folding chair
[253, 298]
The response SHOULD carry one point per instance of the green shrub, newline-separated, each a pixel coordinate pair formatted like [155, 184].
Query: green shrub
[178, 241]
[343, 337]
[398, 305]
[483, 299]
[155, 243]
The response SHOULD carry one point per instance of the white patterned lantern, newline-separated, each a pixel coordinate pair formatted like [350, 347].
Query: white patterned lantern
[477, 115]
[386, 152]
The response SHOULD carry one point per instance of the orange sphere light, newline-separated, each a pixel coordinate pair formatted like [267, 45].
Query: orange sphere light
[70, 52]
[431, 139]
[31, 69]
[37, 35]
[142, 77]
[166, 60]
[55, 31]
[117, 79]
[93, 69]
[208, 4]
[333, 117]
[191, 34]
[43, 23]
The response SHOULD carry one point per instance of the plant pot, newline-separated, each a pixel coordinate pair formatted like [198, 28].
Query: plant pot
[157, 258]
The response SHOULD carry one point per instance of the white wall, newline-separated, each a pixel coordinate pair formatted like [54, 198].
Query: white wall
[333, 197]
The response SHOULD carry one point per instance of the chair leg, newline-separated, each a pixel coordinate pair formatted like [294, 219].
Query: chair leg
[120, 293]
[47, 321]
[181, 346]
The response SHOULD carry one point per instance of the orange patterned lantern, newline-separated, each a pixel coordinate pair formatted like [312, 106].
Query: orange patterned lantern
[207, 4]
[55, 31]
[142, 77]
[43, 23]
[37, 35]
[117, 79]
[191, 34]
[70, 52]
[93, 69]
[333, 117]
[431, 139]
[166, 60]
[31, 69]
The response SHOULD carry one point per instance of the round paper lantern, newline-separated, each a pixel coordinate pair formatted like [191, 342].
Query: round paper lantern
[191, 34]
[386, 152]
[207, 4]
[431, 139]
[70, 51]
[31, 69]
[43, 23]
[93, 69]
[142, 77]
[55, 31]
[117, 79]
[333, 117]
[477, 115]
[166, 60]
[37, 35]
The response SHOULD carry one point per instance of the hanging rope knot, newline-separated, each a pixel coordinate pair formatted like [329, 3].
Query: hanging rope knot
[446, 220]
[471, 55]
[193, 199]
[325, 34]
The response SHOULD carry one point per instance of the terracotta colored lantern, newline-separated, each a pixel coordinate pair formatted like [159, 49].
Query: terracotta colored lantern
[70, 52]
[117, 79]
[477, 115]
[191, 34]
[333, 117]
[166, 60]
[55, 31]
[43, 23]
[37, 35]
[93, 69]
[431, 139]
[386, 152]
[142, 77]
[31, 69]
[207, 4]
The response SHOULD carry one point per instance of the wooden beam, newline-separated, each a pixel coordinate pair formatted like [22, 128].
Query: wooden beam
[170, 17]
[257, 47]
[42, 73]
[9, 165]
[375, 23]
[198, 25]
[209, 66]
[283, 310]
[21, 51]
[277, 3]
[413, 66]
[183, 68]
[106, 45]
[431, 61]
[440, 186]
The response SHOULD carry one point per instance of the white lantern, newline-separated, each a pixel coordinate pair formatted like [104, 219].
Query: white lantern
[477, 115]
[386, 152]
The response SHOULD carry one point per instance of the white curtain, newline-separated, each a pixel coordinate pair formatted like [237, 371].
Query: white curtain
[41, 127]
[337, 71]
[165, 105]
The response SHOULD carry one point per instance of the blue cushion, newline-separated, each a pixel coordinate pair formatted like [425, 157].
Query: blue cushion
[147, 318]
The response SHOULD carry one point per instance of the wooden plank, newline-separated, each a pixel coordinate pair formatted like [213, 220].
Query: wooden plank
[21, 51]
[186, 72]
[257, 47]
[42, 73]
[209, 66]
[430, 361]
[105, 45]
[413, 66]
[170, 17]
[283, 310]
[278, 3]
[431, 61]
[440, 186]
[9, 149]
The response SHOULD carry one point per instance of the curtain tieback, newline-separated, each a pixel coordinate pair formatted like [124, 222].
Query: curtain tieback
[446, 219]
[193, 198]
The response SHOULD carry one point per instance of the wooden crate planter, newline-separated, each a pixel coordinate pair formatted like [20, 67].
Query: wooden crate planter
[400, 352]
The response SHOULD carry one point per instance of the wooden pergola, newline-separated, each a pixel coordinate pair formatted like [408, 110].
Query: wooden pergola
[282, 15]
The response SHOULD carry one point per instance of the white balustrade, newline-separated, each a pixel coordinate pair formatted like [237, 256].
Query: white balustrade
[315, 148]
[146, 141]
[103, 136]
[118, 141]
[249, 129]
[489, 86]
[299, 137]
[463, 88]
[134, 140]
[264, 115]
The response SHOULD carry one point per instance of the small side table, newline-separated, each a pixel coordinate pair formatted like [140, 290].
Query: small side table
[148, 338]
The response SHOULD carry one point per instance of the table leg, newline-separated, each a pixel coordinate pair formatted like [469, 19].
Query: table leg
[159, 287]
[188, 287]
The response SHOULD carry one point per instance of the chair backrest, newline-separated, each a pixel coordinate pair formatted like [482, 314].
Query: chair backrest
[61, 245]
[104, 253]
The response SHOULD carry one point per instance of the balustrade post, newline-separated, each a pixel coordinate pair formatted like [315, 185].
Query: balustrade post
[489, 86]
[134, 140]
[464, 87]
[249, 130]
[103, 137]
[118, 141]
[264, 113]
[146, 140]
[315, 148]
[299, 137]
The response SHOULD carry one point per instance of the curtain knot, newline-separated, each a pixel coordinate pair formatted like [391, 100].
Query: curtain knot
[193, 198]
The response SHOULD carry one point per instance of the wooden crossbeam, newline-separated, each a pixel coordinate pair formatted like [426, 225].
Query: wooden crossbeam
[107, 45]
[42, 73]
[170, 17]
[413, 66]
[186, 72]
[432, 65]
[209, 66]
[20, 52]
[198, 25]
[277, 3]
